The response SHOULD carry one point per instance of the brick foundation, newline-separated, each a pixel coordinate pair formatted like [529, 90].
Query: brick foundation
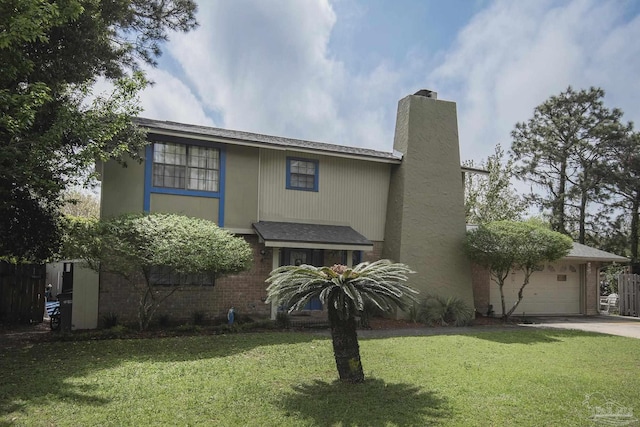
[374, 254]
[246, 292]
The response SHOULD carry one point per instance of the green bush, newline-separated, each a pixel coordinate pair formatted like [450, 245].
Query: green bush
[198, 318]
[117, 331]
[188, 328]
[257, 325]
[283, 321]
[370, 310]
[437, 310]
[110, 320]
[164, 320]
[413, 313]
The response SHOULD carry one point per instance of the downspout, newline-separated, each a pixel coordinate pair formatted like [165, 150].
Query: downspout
[583, 289]
[259, 170]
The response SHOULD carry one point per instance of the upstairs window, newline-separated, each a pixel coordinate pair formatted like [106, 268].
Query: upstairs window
[187, 167]
[302, 174]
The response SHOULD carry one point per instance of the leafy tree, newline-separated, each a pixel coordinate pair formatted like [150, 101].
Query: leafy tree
[134, 247]
[492, 198]
[51, 126]
[79, 203]
[621, 176]
[560, 149]
[344, 292]
[504, 246]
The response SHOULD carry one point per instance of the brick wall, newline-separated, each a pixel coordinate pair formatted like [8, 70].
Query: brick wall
[245, 292]
[481, 282]
[374, 254]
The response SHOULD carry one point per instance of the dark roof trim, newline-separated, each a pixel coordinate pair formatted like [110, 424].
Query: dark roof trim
[474, 170]
[318, 236]
[264, 141]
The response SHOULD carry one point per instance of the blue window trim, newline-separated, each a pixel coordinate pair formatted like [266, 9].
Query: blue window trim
[315, 181]
[148, 176]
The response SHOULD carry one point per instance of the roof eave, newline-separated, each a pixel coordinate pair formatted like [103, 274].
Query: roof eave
[392, 158]
[599, 259]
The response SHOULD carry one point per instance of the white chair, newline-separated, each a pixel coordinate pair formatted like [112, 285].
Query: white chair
[612, 302]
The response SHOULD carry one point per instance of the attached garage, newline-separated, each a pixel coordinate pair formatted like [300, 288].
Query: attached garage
[566, 287]
[553, 289]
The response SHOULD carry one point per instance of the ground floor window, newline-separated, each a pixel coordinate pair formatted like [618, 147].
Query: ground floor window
[166, 276]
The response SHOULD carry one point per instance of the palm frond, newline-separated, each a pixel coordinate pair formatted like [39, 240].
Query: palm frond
[345, 289]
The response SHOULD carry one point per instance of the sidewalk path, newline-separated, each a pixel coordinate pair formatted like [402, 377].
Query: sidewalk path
[624, 326]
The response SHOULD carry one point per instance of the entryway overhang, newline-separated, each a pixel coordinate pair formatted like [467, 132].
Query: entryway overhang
[311, 236]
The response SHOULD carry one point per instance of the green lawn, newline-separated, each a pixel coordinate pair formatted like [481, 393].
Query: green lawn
[520, 378]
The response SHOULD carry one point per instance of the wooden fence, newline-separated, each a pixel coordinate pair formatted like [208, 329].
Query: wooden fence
[22, 292]
[629, 293]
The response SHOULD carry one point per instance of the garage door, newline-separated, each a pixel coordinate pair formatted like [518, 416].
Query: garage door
[554, 289]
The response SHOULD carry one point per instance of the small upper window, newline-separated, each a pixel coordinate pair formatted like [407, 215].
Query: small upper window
[187, 167]
[302, 174]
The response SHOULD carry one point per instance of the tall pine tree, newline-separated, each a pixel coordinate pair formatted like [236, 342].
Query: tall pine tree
[561, 149]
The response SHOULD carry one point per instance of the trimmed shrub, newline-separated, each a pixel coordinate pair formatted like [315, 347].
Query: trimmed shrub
[437, 310]
[110, 320]
[164, 320]
[283, 321]
[198, 318]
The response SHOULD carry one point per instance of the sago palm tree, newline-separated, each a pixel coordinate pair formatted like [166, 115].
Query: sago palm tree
[343, 291]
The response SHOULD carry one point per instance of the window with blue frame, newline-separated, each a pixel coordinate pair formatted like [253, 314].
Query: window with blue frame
[187, 167]
[302, 174]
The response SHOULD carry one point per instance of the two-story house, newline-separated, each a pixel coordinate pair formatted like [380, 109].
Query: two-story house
[302, 202]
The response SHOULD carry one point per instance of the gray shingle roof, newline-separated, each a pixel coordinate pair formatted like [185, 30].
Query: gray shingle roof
[310, 233]
[580, 251]
[238, 137]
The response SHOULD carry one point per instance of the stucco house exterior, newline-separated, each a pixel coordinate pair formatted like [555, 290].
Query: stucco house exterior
[299, 201]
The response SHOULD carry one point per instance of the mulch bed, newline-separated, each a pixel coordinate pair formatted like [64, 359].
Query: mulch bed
[383, 324]
[20, 335]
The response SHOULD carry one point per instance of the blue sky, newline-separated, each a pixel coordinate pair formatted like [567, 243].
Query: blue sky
[333, 71]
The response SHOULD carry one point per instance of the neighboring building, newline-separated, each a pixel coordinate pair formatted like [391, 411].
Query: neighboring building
[302, 202]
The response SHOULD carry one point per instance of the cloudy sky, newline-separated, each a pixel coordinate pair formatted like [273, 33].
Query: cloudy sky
[334, 70]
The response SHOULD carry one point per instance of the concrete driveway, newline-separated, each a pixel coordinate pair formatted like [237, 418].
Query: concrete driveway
[614, 325]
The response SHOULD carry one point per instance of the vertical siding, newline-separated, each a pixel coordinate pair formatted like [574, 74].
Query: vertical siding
[351, 192]
[241, 192]
[197, 207]
[122, 188]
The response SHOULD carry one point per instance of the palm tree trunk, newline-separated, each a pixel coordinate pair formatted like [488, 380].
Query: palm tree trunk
[345, 347]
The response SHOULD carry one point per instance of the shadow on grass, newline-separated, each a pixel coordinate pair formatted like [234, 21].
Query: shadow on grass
[41, 374]
[529, 336]
[373, 403]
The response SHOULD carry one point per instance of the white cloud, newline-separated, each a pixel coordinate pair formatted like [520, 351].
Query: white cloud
[167, 99]
[514, 55]
[170, 99]
[265, 67]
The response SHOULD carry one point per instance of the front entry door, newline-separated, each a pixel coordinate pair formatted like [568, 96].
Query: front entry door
[313, 257]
